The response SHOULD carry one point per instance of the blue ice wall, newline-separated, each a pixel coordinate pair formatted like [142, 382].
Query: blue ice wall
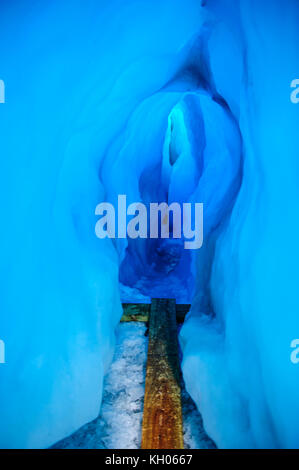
[74, 73]
[109, 97]
[246, 385]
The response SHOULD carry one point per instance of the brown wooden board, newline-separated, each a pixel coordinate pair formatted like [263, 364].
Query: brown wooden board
[135, 312]
[162, 416]
[140, 312]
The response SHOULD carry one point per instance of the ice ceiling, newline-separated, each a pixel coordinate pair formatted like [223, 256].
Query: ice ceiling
[159, 100]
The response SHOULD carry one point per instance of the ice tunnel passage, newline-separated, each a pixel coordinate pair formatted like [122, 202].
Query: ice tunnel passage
[161, 98]
[193, 136]
[196, 156]
[193, 153]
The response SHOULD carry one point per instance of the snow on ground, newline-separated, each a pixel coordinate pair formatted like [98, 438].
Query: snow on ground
[194, 433]
[119, 423]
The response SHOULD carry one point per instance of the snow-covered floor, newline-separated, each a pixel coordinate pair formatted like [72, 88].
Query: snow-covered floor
[119, 423]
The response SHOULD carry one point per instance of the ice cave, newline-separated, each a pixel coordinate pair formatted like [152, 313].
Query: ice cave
[163, 101]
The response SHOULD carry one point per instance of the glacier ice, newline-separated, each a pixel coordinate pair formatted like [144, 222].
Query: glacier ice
[246, 386]
[168, 100]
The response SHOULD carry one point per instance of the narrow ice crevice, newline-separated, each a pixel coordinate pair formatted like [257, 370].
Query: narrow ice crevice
[148, 287]
[119, 423]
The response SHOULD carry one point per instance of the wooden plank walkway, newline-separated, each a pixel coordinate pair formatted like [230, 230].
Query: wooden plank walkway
[141, 312]
[136, 312]
[162, 416]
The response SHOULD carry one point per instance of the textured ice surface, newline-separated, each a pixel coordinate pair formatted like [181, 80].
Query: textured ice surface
[87, 67]
[119, 422]
[195, 436]
[133, 295]
[156, 287]
[237, 361]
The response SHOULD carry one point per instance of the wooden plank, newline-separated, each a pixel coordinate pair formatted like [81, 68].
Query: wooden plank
[162, 415]
[140, 312]
[135, 312]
